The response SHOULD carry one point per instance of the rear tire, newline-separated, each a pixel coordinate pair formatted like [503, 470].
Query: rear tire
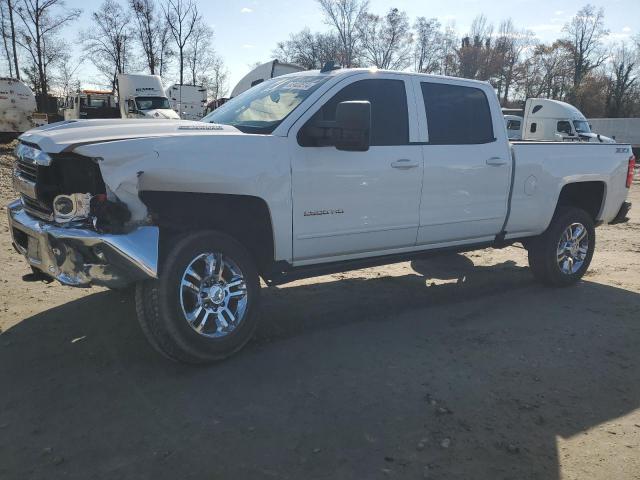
[204, 305]
[562, 254]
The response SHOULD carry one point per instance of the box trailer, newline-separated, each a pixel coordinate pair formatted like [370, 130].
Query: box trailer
[188, 101]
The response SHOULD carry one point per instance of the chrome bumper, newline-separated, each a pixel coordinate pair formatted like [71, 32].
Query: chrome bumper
[82, 257]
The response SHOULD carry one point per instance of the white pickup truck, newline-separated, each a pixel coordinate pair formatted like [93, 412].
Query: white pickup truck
[302, 175]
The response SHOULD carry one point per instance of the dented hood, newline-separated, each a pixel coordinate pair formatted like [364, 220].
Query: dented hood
[66, 136]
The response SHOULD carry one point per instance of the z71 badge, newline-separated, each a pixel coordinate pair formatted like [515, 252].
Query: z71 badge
[315, 213]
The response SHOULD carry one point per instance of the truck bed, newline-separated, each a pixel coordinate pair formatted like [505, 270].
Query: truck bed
[542, 169]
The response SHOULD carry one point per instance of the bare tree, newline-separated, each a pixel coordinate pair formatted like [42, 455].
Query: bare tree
[344, 16]
[475, 52]
[182, 17]
[7, 8]
[4, 31]
[428, 43]
[309, 50]
[509, 46]
[624, 66]
[152, 33]
[215, 80]
[199, 51]
[165, 53]
[41, 21]
[147, 33]
[66, 79]
[585, 33]
[386, 41]
[109, 40]
[547, 72]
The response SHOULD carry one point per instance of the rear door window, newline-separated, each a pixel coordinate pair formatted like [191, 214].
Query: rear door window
[457, 115]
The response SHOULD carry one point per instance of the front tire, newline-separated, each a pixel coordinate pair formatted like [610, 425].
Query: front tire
[204, 305]
[562, 254]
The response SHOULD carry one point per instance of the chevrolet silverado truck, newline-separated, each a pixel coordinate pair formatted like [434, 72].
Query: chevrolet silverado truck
[302, 175]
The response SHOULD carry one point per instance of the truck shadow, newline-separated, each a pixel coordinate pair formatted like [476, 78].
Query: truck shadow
[475, 376]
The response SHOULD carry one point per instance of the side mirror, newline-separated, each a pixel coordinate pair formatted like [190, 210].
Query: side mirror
[352, 130]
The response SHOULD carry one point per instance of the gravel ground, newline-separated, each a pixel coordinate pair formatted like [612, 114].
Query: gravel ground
[453, 368]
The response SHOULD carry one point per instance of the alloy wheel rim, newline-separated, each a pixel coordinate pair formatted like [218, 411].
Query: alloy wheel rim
[573, 248]
[213, 295]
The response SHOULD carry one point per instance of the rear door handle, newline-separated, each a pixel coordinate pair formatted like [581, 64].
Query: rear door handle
[496, 161]
[404, 164]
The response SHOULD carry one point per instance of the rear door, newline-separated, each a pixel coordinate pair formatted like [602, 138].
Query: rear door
[348, 204]
[467, 160]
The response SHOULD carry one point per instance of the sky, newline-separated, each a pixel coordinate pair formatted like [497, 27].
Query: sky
[247, 31]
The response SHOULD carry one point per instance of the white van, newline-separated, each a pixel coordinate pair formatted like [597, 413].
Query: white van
[142, 96]
[188, 101]
[553, 121]
[264, 72]
[17, 106]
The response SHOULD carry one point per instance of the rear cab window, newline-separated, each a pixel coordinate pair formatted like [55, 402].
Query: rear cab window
[456, 114]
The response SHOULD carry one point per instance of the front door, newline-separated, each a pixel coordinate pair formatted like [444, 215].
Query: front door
[349, 204]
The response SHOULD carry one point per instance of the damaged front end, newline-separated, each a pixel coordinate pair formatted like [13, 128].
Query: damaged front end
[69, 226]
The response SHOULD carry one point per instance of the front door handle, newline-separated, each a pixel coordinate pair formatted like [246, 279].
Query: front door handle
[496, 161]
[404, 164]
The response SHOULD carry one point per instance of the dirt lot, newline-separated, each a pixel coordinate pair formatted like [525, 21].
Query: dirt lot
[460, 367]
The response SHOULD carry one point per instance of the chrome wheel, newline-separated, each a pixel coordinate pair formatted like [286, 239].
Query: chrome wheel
[573, 248]
[213, 295]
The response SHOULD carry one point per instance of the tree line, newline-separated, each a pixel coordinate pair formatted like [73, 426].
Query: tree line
[159, 37]
[581, 67]
[170, 38]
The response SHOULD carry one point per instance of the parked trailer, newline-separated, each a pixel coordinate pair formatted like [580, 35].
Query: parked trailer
[624, 130]
[88, 104]
[263, 72]
[17, 106]
[188, 101]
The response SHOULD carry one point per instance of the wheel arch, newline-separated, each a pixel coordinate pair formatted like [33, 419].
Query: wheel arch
[586, 195]
[246, 218]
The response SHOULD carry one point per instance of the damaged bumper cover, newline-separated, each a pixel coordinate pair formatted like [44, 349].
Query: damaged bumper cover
[82, 257]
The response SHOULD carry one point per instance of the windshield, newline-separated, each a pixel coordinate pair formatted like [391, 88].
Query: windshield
[581, 126]
[152, 103]
[262, 108]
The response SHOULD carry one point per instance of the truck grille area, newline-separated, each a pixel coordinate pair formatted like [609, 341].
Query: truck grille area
[68, 173]
[27, 170]
[36, 208]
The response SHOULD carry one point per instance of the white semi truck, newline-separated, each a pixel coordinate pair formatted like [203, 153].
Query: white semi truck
[142, 96]
[188, 101]
[549, 120]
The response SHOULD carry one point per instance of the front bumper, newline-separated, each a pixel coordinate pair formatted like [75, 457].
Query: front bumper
[621, 217]
[81, 257]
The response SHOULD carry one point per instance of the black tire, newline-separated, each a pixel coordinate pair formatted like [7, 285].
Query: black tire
[543, 250]
[159, 309]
